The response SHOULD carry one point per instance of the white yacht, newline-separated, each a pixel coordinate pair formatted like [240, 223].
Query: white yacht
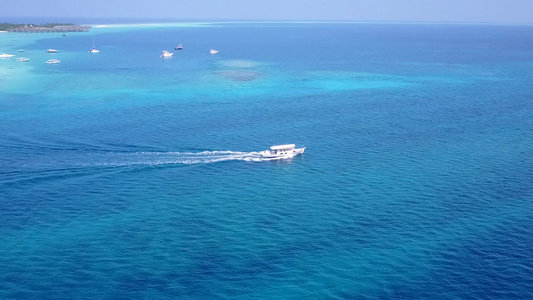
[51, 51]
[23, 59]
[94, 50]
[53, 61]
[166, 54]
[213, 51]
[5, 55]
[282, 151]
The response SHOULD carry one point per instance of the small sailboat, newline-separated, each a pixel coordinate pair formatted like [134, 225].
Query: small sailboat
[213, 51]
[94, 50]
[179, 47]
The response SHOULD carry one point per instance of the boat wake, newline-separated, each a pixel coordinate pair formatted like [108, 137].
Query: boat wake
[73, 159]
[166, 158]
[69, 159]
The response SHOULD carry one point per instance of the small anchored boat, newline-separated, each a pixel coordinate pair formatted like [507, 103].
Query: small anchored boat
[166, 54]
[53, 61]
[179, 47]
[213, 51]
[23, 59]
[282, 151]
[5, 55]
[51, 51]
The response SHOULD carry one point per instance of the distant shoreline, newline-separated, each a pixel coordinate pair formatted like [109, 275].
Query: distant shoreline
[16, 26]
[48, 27]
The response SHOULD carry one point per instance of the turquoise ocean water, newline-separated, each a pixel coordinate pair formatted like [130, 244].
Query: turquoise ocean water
[124, 175]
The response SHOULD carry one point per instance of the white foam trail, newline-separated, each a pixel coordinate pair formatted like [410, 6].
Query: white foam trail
[62, 159]
[163, 158]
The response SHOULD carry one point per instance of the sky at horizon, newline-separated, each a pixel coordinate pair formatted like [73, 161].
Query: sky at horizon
[491, 11]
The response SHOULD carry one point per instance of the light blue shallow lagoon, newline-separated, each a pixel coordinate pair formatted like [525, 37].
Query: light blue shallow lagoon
[124, 175]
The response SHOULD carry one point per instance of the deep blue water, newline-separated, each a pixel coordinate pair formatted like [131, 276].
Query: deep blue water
[125, 175]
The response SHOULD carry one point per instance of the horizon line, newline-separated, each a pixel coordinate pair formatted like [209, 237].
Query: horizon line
[200, 20]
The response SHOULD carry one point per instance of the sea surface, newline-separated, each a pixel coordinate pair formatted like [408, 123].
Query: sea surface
[124, 175]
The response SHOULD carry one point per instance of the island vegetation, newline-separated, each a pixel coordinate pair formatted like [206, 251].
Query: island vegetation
[47, 27]
[7, 26]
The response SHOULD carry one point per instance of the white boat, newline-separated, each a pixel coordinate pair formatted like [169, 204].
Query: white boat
[51, 51]
[5, 55]
[53, 61]
[23, 59]
[94, 50]
[166, 54]
[179, 47]
[282, 151]
[213, 51]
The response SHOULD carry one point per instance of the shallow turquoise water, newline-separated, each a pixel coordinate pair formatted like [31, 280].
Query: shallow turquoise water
[124, 175]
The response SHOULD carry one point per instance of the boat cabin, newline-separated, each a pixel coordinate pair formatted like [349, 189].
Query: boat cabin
[282, 149]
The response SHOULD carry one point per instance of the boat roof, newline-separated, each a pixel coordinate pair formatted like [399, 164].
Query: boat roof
[281, 147]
